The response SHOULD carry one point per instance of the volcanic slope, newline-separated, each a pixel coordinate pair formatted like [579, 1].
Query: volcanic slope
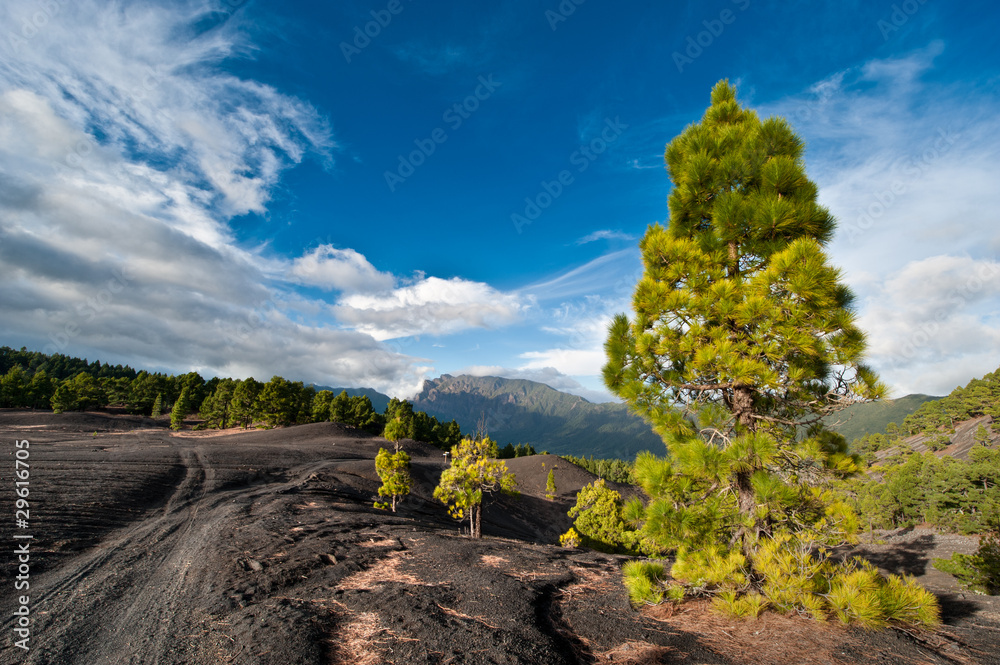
[264, 547]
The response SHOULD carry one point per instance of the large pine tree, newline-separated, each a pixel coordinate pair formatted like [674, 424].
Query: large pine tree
[743, 338]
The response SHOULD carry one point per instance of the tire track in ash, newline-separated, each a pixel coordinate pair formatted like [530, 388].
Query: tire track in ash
[123, 601]
[112, 605]
[130, 599]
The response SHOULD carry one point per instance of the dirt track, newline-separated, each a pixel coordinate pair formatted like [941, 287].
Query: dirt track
[263, 547]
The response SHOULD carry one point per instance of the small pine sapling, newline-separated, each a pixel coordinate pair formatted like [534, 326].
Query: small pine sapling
[474, 471]
[180, 411]
[394, 470]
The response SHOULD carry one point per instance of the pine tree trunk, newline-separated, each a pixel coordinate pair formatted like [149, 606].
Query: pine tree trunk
[476, 518]
[742, 408]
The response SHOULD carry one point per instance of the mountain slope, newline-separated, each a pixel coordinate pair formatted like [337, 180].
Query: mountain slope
[858, 420]
[521, 411]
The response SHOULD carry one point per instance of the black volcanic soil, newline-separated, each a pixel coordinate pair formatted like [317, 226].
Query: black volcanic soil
[264, 547]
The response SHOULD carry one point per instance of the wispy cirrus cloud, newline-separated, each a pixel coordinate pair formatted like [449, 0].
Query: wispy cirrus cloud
[604, 234]
[437, 60]
[615, 273]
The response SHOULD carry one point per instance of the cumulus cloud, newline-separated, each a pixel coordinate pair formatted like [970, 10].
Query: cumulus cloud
[934, 324]
[575, 362]
[340, 269]
[431, 306]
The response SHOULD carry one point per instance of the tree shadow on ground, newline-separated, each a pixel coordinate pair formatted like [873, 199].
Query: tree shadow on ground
[955, 606]
[904, 558]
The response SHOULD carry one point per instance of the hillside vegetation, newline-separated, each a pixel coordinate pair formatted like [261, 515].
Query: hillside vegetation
[865, 418]
[939, 467]
[63, 383]
[525, 415]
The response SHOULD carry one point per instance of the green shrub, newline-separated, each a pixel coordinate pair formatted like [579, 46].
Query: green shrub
[602, 522]
[860, 595]
[570, 539]
[979, 572]
[747, 606]
[793, 578]
[644, 581]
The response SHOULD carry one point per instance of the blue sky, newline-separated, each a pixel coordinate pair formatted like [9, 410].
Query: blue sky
[376, 193]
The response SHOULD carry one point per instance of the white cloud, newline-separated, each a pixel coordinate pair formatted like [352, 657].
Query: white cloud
[613, 275]
[578, 306]
[908, 167]
[575, 362]
[434, 60]
[935, 324]
[431, 306]
[604, 235]
[125, 150]
[641, 166]
[340, 269]
[582, 329]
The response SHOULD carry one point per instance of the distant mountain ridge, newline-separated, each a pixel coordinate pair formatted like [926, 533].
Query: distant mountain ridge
[523, 411]
[859, 420]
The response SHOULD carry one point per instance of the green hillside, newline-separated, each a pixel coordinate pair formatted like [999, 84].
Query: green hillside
[866, 418]
[521, 411]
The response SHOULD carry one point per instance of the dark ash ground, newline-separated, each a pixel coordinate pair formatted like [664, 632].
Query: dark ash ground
[264, 547]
